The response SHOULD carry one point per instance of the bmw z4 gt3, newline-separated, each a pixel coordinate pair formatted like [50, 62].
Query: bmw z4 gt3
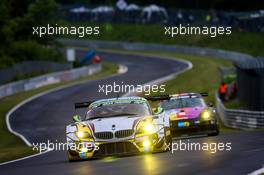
[116, 126]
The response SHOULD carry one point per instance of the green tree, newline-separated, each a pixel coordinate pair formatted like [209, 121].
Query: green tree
[42, 12]
[4, 29]
[17, 17]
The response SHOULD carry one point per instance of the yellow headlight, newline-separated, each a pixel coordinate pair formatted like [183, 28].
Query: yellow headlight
[206, 115]
[80, 134]
[83, 135]
[149, 128]
[145, 126]
[146, 143]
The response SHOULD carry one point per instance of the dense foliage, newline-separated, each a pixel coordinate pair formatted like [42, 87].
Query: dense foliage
[17, 17]
[237, 5]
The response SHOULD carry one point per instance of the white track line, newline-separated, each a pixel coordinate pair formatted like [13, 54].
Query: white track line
[122, 69]
[23, 158]
[257, 172]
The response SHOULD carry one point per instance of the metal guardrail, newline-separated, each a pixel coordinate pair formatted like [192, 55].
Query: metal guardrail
[236, 118]
[36, 82]
[8, 75]
[94, 44]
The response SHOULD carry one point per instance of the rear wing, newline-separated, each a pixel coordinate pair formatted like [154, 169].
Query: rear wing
[82, 104]
[168, 97]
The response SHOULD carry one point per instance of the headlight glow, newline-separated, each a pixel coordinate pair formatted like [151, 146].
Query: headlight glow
[83, 135]
[80, 134]
[145, 127]
[149, 128]
[206, 115]
[146, 143]
[83, 132]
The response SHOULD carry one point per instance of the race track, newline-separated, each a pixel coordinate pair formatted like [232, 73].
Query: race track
[46, 117]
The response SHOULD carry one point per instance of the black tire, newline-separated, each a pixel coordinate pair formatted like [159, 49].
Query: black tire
[216, 131]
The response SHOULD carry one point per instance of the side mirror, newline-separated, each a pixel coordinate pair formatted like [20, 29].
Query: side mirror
[77, 118]
[157, 110]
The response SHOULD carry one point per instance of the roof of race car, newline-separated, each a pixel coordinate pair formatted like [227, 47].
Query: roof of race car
[138, 100]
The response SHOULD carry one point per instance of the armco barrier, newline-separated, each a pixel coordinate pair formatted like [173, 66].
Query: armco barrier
[94, 44]
[236, 118]
[31, 67]
[32, 83]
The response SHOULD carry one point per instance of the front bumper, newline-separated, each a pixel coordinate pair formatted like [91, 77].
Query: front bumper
[117, 148]
[193, 126]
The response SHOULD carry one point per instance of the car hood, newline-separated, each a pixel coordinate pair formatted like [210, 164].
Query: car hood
[113, 123]
[190, 113]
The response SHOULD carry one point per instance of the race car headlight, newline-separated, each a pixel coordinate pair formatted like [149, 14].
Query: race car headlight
[83, 135]
[149, 128]
[206, 115]
[80, 134]
[146, 143]
[145, 127]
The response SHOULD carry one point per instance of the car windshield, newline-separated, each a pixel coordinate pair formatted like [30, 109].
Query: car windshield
[115, 110]
[182, 103]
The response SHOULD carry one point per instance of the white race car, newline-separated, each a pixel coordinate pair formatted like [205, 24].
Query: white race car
[116, 126]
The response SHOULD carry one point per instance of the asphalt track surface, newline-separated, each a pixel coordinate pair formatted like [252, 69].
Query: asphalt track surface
[46, 117]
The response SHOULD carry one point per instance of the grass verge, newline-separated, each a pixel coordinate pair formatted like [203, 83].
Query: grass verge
[11, 146]
[234, 104]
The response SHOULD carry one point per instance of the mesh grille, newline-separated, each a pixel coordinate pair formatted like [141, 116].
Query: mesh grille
[123, 133]
[104, 135]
